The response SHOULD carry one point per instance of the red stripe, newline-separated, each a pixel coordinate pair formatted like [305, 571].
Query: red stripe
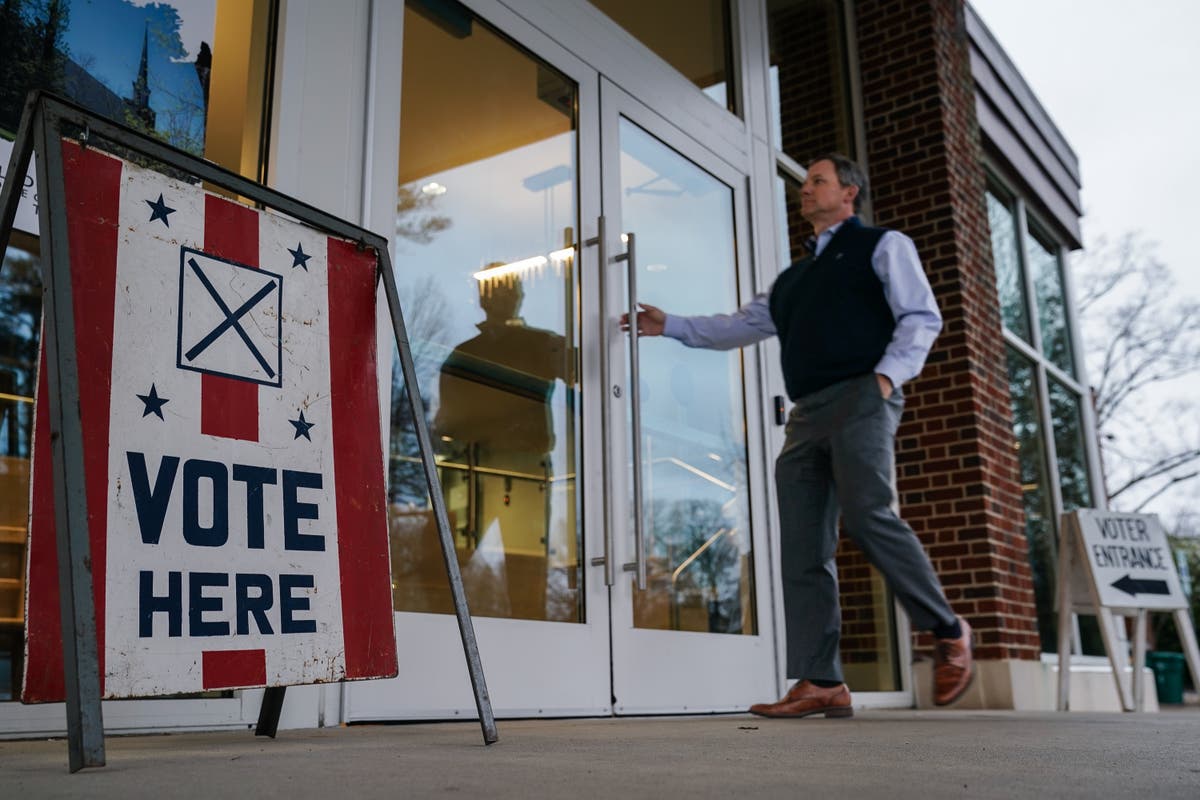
[228, 407]
[92, 188]
[367, 627]
[234, 669]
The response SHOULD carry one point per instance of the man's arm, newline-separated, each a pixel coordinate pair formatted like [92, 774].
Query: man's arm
[911, 300]
[749, 324]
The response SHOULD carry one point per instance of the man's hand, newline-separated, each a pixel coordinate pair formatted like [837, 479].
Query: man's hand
[650, 321]
[885, 385]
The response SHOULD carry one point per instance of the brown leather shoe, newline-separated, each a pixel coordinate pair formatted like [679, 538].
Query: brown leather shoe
[806, 698]
[953, 666]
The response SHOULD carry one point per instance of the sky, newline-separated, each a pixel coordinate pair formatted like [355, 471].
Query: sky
[1119, 80]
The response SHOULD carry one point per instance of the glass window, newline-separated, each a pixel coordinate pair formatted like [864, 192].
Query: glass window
[1068, 447]
[1040, 524]
[485, 233]
[792, 227]
[695, 509]
[811, 111]
[1006, 256]
[693, 36]
[191, 72]
[1046, 270]
[20, 328]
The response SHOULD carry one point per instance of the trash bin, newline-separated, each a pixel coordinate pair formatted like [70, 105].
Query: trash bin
[1168, 675]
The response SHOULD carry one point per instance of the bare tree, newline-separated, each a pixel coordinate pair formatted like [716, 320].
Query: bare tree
[1142, 338]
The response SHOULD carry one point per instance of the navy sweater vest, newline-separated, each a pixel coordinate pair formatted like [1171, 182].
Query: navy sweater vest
[830, 312]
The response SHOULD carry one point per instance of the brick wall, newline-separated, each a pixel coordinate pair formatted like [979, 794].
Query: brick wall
[808, 52]
[957, 470]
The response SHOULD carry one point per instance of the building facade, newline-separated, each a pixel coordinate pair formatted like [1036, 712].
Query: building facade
[512, 150]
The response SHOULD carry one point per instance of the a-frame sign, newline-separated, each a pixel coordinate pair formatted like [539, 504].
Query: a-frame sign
[209, 506]
[1113, 564]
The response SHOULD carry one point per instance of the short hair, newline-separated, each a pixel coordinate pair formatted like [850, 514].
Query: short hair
[849, 173]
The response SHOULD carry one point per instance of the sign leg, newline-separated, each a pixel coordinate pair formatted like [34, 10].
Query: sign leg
[1139, 661]
[269, 711]
[1115, 647]
[1187, 636]
[466, 630]
[1066, 568]
[81, 664]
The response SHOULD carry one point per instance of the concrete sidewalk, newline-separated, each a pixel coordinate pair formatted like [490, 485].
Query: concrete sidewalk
[877, 754]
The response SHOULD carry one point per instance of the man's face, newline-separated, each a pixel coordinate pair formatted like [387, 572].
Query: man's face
[823, 198]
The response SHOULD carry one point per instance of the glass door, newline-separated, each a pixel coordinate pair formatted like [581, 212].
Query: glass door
[497, 187]
[688, 598]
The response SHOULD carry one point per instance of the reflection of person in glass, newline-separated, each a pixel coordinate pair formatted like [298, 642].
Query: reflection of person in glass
[494, 413]
[495, 388]
[855, 320]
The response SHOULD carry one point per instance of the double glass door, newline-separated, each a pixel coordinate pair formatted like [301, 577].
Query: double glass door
[601, 491]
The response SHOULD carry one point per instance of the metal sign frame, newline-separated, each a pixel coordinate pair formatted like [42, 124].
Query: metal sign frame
[1079, 592]
[45, 122]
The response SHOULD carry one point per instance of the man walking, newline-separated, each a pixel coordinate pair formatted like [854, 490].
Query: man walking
[855, 321]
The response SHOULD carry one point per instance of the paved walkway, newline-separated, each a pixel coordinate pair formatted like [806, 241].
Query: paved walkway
[877, 754]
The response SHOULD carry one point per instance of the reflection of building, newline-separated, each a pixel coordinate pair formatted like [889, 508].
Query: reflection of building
[515, 125]
[138, 106]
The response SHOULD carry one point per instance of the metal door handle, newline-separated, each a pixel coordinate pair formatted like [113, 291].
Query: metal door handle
[607, 561]
[638, 565]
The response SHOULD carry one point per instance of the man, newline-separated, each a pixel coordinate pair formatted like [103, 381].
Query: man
[855, 320]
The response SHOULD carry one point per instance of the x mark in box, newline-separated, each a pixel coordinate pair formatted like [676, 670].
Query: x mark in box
[230, 319]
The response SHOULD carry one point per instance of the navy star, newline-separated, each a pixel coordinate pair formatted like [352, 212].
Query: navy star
[153, 402]
[159, 210]
[299, 257]
[301, 427]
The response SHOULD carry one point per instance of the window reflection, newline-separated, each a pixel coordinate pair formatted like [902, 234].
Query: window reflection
[1040, 524]
[693, 36]
[20, 330]
[485, 262]
[696, 503]
[190, 72]
[811, 112]
[1010, 284]
[1068, 447]
[1046, 271]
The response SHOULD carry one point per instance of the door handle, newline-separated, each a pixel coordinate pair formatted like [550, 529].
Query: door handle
[608, 561]
[638, 566]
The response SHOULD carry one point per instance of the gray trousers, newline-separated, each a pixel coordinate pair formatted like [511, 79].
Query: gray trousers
[840, 453]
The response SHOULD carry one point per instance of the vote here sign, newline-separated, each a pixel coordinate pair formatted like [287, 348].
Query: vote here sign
[1130, 560]
[232, 450]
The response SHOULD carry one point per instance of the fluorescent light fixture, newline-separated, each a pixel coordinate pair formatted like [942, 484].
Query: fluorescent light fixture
[562, 255]
[512, 268]
[433, 188]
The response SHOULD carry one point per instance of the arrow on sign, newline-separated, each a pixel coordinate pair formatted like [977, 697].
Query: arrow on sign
[1133, 586]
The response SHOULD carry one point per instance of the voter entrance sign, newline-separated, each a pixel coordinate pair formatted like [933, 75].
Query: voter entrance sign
[208, 501]
[1130, 560]
[1118, 564]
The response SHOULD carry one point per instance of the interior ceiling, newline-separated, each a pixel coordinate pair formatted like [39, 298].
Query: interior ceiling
[470, 94]
[690, 35]
[467, 98]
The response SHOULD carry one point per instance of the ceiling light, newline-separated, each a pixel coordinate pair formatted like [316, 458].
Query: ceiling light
[512, 268]
[433, 189]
